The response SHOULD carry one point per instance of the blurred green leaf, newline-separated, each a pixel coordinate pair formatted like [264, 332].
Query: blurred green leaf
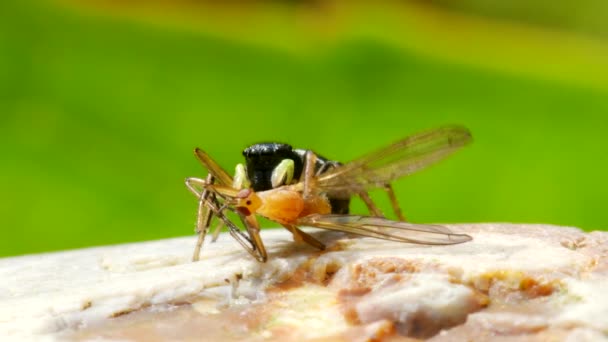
[100, 116]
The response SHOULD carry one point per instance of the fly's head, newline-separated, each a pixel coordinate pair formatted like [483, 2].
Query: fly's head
[247, 202]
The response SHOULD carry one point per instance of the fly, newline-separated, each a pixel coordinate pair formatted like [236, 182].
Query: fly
[272, 191]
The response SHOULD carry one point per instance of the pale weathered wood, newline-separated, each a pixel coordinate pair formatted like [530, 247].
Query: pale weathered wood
[536, 281]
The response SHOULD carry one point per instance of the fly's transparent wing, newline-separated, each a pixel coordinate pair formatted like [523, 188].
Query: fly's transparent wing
[394, 161]
[382, 228]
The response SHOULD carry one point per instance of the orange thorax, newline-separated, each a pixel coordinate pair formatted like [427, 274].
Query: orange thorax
[286, 206]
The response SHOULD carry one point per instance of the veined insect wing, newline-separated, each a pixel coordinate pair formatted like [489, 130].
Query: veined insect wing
[386, 229]
[394, 161]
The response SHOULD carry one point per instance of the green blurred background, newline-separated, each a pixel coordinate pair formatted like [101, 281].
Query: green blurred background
[102, 103]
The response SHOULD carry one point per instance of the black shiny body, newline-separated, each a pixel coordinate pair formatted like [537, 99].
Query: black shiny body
[261, 159]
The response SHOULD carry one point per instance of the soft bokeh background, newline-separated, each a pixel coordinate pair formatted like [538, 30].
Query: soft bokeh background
[102, 103]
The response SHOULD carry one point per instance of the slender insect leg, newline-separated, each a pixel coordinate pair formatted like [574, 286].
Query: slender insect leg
[366, 198]
[309, 173]
[326, 167]
[253, 245]
[209, 197]
[253, 228]
[300, 235]
[239, 181]
[215, 232]
[396, 208]
[250, 221]
[204, 215]
[192, 182]
[373, 209]
[292, 229]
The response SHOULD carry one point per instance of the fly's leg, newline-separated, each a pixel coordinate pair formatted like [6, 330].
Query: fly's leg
[253, 228]
[253, 245]
[300, 235]
[218, 174]
[309, 173]
[240, 181]
[204, 215]
[339, 205]
[396, 209]
[215, 232]
[371, 206]
[307, 178]
[329, 165]
[292, 229]
[373, 209]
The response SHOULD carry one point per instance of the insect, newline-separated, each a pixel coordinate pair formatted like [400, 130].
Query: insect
[307, 200]
[270, 165]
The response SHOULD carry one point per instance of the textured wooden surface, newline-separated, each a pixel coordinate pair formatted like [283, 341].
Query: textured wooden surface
[512, 281]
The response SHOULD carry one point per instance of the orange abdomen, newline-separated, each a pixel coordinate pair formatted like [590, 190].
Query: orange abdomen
[316, 205]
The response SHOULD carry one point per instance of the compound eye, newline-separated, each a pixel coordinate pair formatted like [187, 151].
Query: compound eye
[282, 173]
